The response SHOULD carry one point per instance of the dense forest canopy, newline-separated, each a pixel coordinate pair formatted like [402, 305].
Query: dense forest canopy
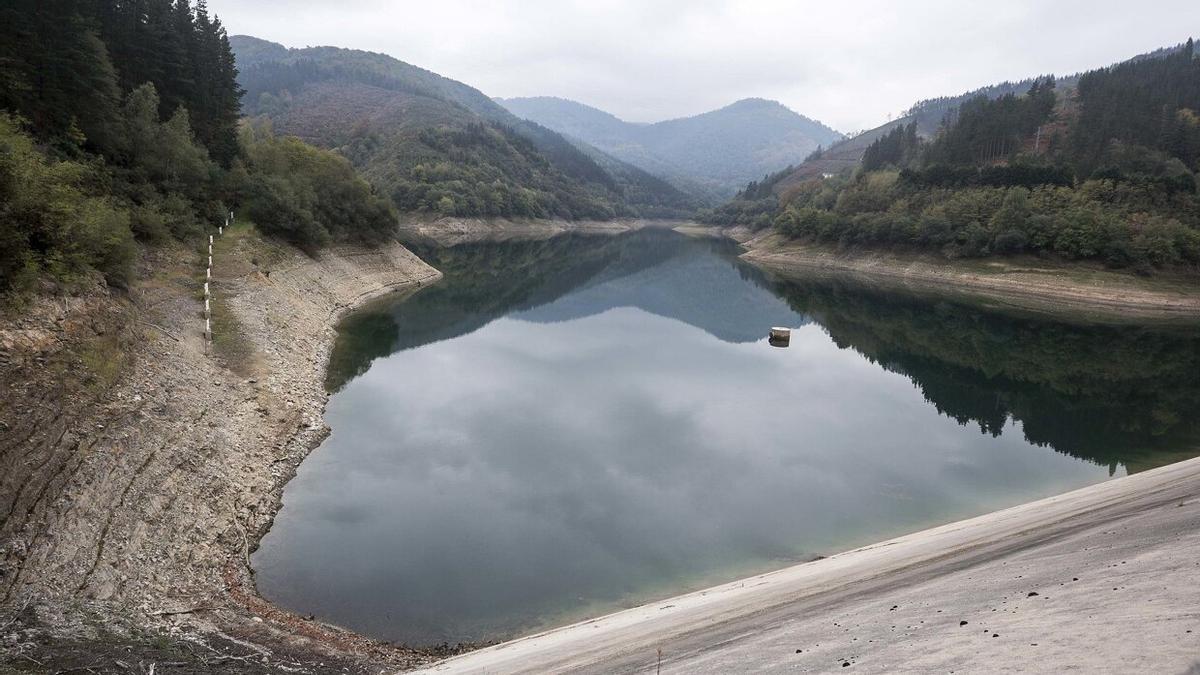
[67, 64]
[985, 129]
[478, 170]
[119, 124]
[929, 114]
[1104, 170]
[1151, 103]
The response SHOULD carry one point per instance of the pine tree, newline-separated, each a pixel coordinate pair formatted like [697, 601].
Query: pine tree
[180, 49]
[56, 71]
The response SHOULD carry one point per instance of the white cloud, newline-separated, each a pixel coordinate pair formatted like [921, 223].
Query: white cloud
[848, 64]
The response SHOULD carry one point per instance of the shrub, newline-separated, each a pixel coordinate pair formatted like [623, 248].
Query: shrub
[308, 196]
[49, 222]
[1011, 241]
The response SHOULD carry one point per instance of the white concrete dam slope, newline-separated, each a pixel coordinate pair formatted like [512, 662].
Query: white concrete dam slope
[1102, 579]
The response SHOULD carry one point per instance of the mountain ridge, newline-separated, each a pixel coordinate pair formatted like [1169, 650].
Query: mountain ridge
[713, 152]
[435, 144]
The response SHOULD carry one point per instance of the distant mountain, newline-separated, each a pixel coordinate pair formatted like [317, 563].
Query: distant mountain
[714, 153]
[437, 145]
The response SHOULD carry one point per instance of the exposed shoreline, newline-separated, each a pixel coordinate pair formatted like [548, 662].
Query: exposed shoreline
[453, 231]
[1079, 290]
[173, 560]
[138, 546]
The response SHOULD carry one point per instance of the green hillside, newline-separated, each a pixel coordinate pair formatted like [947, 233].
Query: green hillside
[1101, 168]
[119, 131]
[435, 145]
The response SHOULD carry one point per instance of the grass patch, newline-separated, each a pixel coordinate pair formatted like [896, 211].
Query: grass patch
[236, 254]
[93, 363]
[104, 359]
[229, 340]
[243, 250]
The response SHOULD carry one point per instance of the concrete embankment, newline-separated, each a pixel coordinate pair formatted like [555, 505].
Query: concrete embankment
[1102, 579]
[139, 465]
[1025, 283]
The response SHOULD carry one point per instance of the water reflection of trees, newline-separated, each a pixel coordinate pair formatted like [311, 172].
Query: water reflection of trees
[485, 281]
[1107, 393]
[482, 282]
[1112, 394]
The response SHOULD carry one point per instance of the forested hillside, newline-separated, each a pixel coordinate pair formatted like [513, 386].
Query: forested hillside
[926, 116]
[119, 125]
[1104, 170]
[711, 154]
[435, 145]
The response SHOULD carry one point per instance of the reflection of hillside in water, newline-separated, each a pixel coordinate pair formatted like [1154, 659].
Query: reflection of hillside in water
[1125, 395]
[696, 285]
[1115, 395]
[699, 282]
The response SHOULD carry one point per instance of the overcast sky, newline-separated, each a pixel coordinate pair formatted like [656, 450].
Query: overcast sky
[848, 64]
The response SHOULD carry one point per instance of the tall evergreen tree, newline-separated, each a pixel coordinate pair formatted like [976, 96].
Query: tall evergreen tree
[897, 148]
[1136, 102]
[55, 71]
[66, 63]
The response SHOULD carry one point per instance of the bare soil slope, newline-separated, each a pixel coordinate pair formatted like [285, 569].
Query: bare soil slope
[139, 466]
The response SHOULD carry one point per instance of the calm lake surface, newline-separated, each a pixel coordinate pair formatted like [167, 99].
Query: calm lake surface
[566, 427]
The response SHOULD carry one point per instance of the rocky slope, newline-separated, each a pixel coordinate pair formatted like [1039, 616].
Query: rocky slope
[139, 465]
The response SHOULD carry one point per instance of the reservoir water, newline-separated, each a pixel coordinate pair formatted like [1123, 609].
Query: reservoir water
[561, 428]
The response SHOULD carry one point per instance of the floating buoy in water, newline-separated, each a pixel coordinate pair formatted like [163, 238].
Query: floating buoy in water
[779, 337]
